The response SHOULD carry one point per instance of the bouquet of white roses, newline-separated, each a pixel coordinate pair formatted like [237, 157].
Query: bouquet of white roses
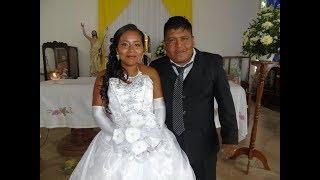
[160, 51]
[263, 35]
[141, 135]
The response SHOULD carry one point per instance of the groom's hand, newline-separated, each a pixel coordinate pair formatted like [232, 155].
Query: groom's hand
[228, 150]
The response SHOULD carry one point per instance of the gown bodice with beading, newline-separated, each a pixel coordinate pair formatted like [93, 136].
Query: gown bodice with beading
[131, 106]
[130, 100]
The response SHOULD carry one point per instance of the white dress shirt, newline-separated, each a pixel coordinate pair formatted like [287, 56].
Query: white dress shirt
[187, 69]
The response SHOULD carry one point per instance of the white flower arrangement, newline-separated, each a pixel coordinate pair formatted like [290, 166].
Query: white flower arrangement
[263, 35]
[160, 51]
[132, 134]
[140, 135]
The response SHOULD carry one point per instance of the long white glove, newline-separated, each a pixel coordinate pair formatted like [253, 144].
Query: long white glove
[159, 109]
[103, 121]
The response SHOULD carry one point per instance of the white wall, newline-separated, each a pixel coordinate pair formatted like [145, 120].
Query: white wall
[217, 25]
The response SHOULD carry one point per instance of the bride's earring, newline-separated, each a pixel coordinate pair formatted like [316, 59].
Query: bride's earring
[118, 57]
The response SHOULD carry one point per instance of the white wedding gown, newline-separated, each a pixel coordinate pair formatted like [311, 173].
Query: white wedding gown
[139, 149]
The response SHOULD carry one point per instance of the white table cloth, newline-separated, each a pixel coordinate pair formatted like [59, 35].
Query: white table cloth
[240, 104]
[67, 103]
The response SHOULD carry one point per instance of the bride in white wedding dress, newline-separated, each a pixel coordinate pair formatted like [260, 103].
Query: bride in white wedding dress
[134, 143]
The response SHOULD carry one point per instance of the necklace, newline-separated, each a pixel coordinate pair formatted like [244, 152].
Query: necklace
[131, 78]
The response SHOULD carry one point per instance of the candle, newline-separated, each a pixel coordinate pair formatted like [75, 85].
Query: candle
[55, 76]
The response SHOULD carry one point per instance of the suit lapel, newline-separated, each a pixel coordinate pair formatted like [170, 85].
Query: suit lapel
[171, 74]
[169, 78]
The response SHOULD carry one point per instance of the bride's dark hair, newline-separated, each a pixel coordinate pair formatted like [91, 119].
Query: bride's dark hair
[114, 68]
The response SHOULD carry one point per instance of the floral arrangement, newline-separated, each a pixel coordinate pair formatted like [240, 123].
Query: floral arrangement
[263, 35]
[160, 51]
[141, 135]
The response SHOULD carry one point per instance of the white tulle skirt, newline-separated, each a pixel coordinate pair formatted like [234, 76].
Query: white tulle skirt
[102, 162]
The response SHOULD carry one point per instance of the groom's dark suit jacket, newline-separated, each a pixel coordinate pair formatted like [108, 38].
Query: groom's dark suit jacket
[206, 80]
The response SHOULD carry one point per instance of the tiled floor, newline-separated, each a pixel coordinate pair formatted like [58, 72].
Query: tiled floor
[267, 141]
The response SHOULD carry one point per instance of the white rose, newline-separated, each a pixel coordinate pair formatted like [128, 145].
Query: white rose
[266, 40]
[268, 8]
[254, 39]
[139, 147]
[267, 15]
[136, 120]
[276, 20]
[118, 136]
[132, 134]
[267, 25]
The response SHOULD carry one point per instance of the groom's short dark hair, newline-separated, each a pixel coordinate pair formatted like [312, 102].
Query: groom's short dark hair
[177, 22]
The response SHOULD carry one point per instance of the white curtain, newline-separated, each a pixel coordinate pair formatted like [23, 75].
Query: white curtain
[149, 16]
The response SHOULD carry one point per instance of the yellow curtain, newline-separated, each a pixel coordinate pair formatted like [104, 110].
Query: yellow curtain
[179, 8]
[109, 10]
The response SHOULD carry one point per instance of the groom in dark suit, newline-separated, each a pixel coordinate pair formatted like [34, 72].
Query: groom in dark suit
[190, 80]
